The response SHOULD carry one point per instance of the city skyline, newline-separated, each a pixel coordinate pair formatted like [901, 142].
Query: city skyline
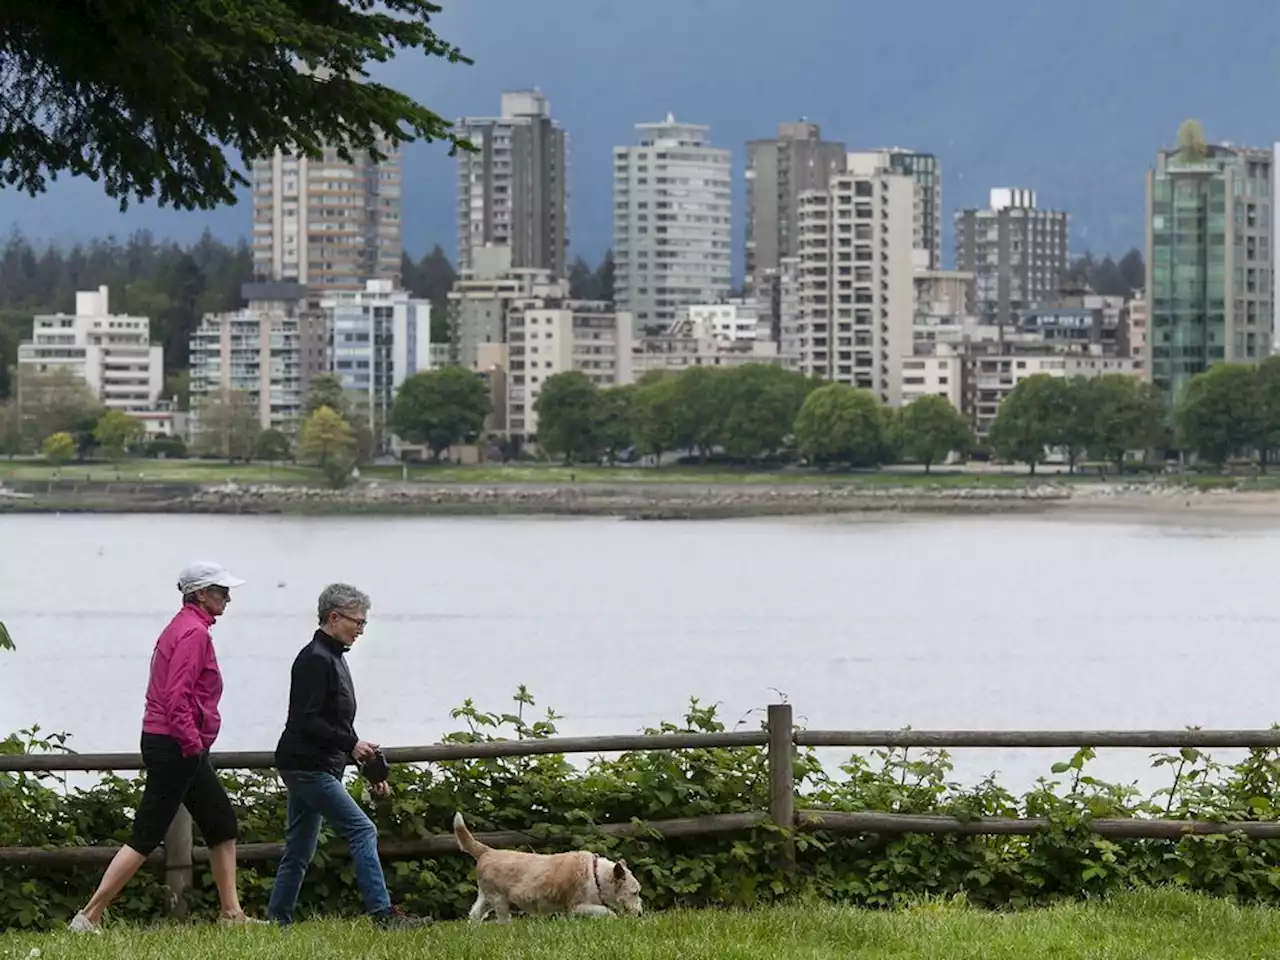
[1085, 148]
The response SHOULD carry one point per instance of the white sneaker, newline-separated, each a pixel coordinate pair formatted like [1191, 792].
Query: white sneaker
[82, 924]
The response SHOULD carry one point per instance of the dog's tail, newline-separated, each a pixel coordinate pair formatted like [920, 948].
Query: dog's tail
[466, 841]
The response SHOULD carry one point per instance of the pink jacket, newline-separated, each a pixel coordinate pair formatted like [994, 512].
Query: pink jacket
[185, 684]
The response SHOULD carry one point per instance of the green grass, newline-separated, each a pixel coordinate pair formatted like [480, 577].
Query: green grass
[200, 471]
[1141, 926]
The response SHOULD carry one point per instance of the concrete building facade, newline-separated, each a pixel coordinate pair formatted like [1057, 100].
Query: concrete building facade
[1016, 251]
[672, 222]
[482, 296]
[856, 288]
[514, 192]
[778, 171]
[550, 336]
[258, 352]
[926, 170]
[328, 224]
[111, 353]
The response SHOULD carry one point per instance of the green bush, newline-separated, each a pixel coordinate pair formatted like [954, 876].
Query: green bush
[1064, 862]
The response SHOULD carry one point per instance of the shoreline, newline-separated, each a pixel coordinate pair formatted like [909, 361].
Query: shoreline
[1132, 502]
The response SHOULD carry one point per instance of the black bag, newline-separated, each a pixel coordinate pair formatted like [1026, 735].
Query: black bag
[376, 769]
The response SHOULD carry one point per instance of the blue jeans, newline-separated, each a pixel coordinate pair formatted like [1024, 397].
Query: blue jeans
[313, 795]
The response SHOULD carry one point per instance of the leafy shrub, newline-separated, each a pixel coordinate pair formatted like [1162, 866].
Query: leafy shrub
[1063, 862]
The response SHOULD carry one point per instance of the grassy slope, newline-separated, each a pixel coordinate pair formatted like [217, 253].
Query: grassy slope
[198, 471]
[1140, 926]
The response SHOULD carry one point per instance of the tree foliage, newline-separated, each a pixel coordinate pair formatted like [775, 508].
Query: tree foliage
[116, 433]
[929, 429]
[327, 440]
[841, 424]
[568, 416]
[1125, 415]
[1030, 420]
[1221, 413]
[58, 401]
[186, 82]
[440, 408]
[58, 448]
[228, 426]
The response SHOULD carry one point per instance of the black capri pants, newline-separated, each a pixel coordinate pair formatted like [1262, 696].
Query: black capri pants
[173, 781]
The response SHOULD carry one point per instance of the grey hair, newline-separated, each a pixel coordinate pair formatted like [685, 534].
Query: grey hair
[340, 597]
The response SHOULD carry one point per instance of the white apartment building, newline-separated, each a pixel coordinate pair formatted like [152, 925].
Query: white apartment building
[856, 288]
[546, 337]
[514, 191]
[112, 353]
[940, 373]
[736, 319]
[327, 224]
[261, 351]
[378, 337]
[695, 341]
[672, 222]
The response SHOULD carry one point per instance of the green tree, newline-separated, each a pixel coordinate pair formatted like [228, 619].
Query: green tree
[701, 408]
[328, 441]
[10, 429]
[57, 402]
[1030, 420]
[116, 433]
[1074, 416]
[228, 426]
[568, 412]
[841, 424]
[655, 415]
[1220, 413]
[326, 390]
[761, 403]
[1126, 415]
[6, 641]
[272, 445]
[1268, 398]
[59, 448]
[929, 429]
[440, 408]
[187, 81]
[613, 430]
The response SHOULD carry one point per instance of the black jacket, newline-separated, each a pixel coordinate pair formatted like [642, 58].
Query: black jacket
[320, 732]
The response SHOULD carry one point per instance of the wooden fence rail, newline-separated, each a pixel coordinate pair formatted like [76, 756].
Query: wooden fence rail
[779, 737]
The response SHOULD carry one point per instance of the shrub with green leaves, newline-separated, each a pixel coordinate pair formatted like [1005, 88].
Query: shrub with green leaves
[557, 800]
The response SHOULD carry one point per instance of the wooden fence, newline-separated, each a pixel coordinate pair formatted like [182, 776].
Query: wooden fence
[178, 853]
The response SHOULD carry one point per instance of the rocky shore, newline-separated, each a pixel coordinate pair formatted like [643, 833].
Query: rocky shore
[655, 501]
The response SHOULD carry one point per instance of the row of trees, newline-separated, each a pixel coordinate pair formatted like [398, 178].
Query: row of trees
[747, 413]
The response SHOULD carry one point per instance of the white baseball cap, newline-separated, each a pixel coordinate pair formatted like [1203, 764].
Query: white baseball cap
[205, 573]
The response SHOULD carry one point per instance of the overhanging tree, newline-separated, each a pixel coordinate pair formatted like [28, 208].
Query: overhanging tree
[182, 82]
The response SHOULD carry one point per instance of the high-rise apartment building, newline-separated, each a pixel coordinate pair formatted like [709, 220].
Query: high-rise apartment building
[514, 191]
[378, 337]
[327, 224]
[112, 353]
[1210, 243]
[672, 222]
[778, 171]
[259, 353]
[926, 170]
[1017, 252]
[856, 288]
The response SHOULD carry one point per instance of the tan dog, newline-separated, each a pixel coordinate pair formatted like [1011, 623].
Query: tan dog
[578, 883]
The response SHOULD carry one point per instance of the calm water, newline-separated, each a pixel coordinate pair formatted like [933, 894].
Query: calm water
[1006, 623]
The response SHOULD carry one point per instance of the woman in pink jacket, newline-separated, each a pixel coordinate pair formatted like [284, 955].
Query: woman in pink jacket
[179, 726]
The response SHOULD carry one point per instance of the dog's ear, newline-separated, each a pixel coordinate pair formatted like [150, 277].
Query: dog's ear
[620, 870]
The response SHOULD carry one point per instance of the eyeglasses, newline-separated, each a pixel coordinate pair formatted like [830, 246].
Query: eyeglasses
[358, 622]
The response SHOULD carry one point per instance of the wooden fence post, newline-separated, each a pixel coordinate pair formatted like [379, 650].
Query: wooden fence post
[178, 845]
[782, 788]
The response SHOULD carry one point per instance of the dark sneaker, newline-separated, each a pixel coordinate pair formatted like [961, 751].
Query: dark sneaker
[397, 919]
